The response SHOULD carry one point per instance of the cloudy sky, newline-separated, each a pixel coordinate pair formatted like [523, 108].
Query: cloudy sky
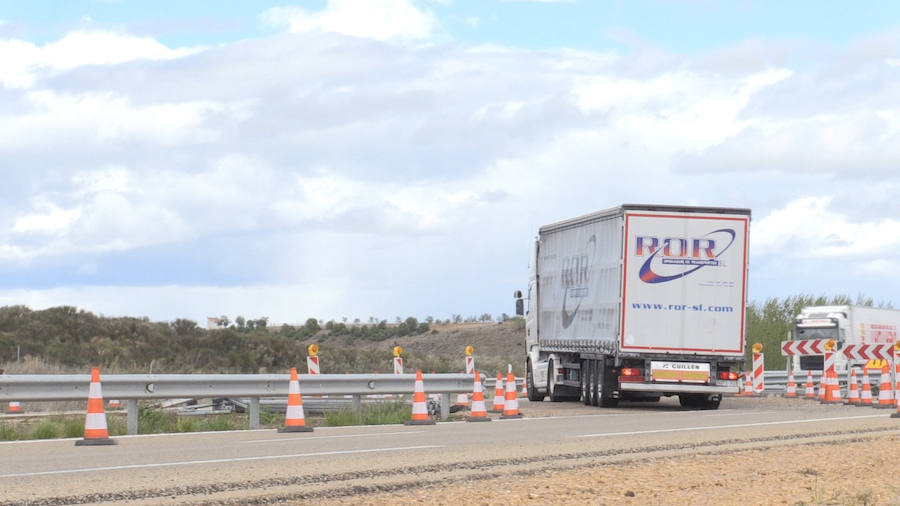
[395, 157]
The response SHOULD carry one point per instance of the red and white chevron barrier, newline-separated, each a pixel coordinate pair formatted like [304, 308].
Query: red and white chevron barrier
[869, 351]
[803, 348]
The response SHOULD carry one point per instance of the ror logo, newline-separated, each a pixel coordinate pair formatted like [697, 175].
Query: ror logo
[671, 258]
[675, 247]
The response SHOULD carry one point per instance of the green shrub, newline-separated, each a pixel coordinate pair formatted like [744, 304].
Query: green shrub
[342, 418]
[9, 432]
[218, 423]
[46, 430]
[72, 427]
[385, 413]
[186, 424]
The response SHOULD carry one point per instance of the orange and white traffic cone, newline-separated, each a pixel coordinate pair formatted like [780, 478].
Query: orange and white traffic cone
[885, 392]
[419, 407]
[852, 389]
[294, 420]
[113, 404]
[865, 395]
[14, 408]
[511, 406]
[833, 394]
[523, 392]
[479, 412]
[791, 390]
[499, 395]
[810, 392]
[95, 429]
[748, 386]
[823, 385]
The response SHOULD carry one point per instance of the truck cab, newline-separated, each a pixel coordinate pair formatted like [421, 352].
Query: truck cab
[821, 322]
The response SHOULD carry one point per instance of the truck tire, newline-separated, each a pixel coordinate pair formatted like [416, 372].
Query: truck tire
[552, 391]
[533, 394]
[697, 401]
[594, 380]
[606, 385]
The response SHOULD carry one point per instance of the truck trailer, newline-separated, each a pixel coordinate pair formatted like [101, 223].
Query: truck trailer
[637, 302]
[845, 324]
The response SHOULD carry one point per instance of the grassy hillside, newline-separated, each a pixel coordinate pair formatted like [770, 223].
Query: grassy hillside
[72, 340]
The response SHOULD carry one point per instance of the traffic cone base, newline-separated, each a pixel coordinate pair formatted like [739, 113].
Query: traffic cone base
[895, 415]
[95, 442]
[296, 428]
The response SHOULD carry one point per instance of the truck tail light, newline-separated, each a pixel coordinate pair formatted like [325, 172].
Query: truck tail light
[728, 375]
[631, 374]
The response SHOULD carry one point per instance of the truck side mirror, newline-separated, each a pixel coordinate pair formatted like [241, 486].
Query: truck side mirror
[520, 307]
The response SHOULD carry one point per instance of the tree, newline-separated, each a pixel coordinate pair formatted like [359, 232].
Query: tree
[183, 326]
[240, 322]
[224, 321]
[312, 326]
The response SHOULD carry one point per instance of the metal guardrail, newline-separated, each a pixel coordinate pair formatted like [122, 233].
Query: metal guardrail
[134, 387]
[775, 382]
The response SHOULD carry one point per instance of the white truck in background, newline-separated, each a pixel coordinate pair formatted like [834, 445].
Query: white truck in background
[638, 302]
[846, 325]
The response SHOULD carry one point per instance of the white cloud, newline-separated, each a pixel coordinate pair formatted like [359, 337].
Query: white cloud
[23, 61]
[375, 19]
[809, 228]
[51, 219]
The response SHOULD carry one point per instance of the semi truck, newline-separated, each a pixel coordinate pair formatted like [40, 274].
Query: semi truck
[637, 302]
[845, 324]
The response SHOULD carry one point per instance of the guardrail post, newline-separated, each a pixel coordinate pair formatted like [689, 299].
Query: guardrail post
[254, 413]
[131, 418]
[445, 405]
[357, 404]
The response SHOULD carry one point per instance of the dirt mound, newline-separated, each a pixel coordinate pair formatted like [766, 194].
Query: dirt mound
[497, 341]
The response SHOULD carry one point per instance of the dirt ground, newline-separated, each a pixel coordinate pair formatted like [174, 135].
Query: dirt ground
[846, 473]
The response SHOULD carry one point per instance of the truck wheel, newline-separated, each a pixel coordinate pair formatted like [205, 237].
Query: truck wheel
[552, 391]
[533, 394]
[594, 380]
[697, 401]
[585, 382]
[605, 387]
[687, 401]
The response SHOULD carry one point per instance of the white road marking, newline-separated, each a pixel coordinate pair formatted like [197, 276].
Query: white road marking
[759, 424]
[743, 413]
[213, 461]
[315, 438]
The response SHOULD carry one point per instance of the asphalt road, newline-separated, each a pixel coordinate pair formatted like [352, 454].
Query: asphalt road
[244, 464]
